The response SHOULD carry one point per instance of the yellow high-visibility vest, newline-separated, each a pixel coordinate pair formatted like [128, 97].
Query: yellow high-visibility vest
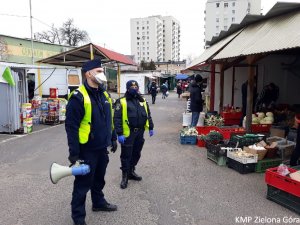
[85, 124]
[125, 122]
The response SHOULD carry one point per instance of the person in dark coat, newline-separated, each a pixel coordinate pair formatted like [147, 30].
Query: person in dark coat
[164, 89]
[179, 89]
[89, 132]
[153, 91]
[196, 99]
[132, 117]
[267, 97]
[296, 153]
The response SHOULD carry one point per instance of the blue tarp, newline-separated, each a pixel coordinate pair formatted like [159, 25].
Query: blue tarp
[181, 76]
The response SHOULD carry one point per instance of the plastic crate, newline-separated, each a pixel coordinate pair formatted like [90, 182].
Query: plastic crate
[283, 183]
[245, 140]
[219, 160]
[206, 129]
[286, 148]
[283, 198]
[200, 143]
[265, 164]
[188, 140]
[228, 122]
[232, 115]
[240, 167]
[215, 149]
[243, 160]
[260, 128]
[227, 132]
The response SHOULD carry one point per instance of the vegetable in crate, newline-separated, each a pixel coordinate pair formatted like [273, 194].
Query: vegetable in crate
[214, 136]
[189, 132]
[214, 121]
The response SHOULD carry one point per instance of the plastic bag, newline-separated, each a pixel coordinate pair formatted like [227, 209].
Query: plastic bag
[283, 170]
[167, 93]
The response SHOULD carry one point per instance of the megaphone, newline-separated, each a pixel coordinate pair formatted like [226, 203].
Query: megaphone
[58, 172]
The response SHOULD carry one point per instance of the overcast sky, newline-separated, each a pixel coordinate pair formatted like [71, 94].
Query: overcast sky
[108, 22]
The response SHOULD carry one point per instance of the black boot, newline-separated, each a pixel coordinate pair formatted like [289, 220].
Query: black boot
[124, 181]
[133, 176]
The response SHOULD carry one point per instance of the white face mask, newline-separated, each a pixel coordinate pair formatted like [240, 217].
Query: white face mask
[100, 78]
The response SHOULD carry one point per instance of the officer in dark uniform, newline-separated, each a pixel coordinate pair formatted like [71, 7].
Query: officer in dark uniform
[132, 117]
[90, 131]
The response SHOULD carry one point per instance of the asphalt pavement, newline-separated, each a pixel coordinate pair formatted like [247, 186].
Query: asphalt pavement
[179, 187]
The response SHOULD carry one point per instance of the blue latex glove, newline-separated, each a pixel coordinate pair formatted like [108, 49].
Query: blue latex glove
[121, 139]
[151, 133]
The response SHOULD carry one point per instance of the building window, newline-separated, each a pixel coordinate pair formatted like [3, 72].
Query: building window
[148, 33]
[225, 27]
[233, 11]
[217, 20]
[217, 28]
[138, 33]
[137, 22]
[137, 28]
[225, 4]
[138, 43]
[147, 53]
[217, 4]
[147, 48]
[147, 22]
[233, 4]
[147, 27]
[233, 19]
[143, 28]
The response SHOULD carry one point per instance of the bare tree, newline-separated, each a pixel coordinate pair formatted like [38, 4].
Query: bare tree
[68, 34]
[52, 36]
[72, 35]
[3, 50]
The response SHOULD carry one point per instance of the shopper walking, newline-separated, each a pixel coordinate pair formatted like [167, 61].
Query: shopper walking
[196, 99]
[90, 131]
[153, 91]
[179, 89]
[164, 90]
[132, 117]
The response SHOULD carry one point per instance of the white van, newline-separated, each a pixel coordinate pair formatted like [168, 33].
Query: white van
[64, 79]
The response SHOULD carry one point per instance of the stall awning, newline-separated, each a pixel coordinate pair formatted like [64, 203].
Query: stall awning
[181, 76]
[211, 51]
[76, 57]
[275, 34]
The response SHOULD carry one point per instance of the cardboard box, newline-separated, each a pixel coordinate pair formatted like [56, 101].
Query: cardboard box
[261, 153]
[277, 132]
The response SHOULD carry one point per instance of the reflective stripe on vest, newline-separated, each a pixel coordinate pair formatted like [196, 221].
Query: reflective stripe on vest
[85, 124]
[125, 122]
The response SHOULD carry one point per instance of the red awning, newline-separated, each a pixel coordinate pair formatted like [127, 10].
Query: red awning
[77, 56]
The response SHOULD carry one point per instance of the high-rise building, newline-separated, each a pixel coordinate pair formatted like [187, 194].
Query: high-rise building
[155, 38]
[220, 14]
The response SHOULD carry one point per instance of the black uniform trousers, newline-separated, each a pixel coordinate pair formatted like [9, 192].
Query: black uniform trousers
[296, 153]
[94, 181]
[131, 149]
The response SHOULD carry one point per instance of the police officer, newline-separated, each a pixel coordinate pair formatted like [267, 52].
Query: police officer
[132, 117]
[90, 131]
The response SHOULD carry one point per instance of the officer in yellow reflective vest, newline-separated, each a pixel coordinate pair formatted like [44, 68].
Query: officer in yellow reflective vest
[132, 117]
[90, 131]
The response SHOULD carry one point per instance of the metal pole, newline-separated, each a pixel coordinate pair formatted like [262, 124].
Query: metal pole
[32, 59]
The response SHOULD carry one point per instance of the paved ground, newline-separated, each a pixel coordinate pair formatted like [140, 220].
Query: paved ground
[180, 186]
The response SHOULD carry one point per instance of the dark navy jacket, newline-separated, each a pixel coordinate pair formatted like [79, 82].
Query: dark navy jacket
[136, 113]
[196, 97]
[101, 134]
